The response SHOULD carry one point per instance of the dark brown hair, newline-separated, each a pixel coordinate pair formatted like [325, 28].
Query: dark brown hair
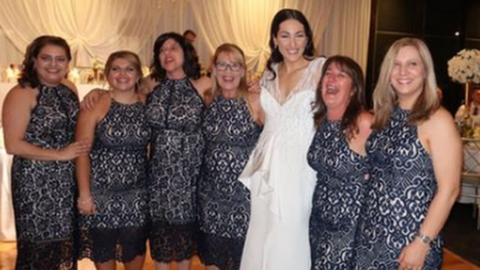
[28, 74]
[357, 101]
[281, 16]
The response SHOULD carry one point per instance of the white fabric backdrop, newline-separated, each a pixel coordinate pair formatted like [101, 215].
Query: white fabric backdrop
[95, 28]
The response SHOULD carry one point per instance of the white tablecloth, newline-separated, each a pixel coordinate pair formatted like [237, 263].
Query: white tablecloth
[7, 223]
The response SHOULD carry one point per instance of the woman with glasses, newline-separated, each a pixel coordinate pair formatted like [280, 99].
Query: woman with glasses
[231, 127]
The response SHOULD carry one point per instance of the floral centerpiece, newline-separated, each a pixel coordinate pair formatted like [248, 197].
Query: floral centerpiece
[465, 66]
[98, 68]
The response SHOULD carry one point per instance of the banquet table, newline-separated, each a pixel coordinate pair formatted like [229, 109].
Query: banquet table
[7, 224]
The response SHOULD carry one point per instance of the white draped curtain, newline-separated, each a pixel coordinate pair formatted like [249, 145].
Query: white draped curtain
[93, 28]
[96, 28]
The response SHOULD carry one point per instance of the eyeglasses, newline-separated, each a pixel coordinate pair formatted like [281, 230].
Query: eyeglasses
[222, 66]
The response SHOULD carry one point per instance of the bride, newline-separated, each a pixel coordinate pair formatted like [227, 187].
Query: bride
[277, 174]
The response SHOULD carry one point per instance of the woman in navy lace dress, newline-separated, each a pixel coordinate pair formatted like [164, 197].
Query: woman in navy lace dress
[231, 127]
[337, 154]
[112, 180]
[39, 118]
[415, 155]
[175, 110]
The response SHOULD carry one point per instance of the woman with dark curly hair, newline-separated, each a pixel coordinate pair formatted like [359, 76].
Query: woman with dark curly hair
[174, 111]
[39, 117]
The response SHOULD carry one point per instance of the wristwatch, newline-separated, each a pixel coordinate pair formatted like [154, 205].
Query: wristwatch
[424, 238]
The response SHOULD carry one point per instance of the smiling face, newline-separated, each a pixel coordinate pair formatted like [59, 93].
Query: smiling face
[408, 75]
[123, 75]
[336, 88]
[172, 59]
[228, 71]
[51, 65]
[291, 40]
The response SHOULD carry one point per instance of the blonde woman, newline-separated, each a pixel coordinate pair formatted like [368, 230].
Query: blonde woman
[415, 156]
[231, 128]
[112, 179]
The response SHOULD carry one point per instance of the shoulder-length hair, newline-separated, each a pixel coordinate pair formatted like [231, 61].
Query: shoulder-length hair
[239, 58]
[357, 100]
[281, 16]
[28, 73]
[191, 65]
[384, 96]
[132, 58]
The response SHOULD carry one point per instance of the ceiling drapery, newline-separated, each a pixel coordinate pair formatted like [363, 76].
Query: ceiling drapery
[94, 29]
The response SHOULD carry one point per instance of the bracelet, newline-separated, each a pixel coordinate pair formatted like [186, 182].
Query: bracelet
[89, 200]
[424, 238]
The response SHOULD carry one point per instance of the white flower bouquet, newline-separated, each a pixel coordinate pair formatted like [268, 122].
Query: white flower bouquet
[465, 66]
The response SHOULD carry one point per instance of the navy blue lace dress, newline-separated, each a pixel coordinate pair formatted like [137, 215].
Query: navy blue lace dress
[337, 199]
[398, 195]
[224, 202]
[44, 191]
[118, 229]
[174, 112]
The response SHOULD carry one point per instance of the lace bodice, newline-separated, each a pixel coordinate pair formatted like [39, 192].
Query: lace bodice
[296, 112]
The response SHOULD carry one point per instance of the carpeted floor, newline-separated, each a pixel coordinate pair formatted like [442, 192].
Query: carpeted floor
[461, 235]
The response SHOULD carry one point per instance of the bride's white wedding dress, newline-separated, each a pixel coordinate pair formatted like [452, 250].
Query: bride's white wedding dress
[279, 178]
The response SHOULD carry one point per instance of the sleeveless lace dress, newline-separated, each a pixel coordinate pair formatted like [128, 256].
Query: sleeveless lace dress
[279, 178]
[118, 229]
[43, 192]
[224, 202]
[338, 197]
[174, 112]
[398, 195]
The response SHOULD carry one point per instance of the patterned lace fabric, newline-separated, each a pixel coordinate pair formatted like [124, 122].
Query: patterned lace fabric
[55, 255]
[222, 252]
[337, 199]
[230, 134]
[173, 242]
[312, 74]
[398, 195]
[175, 113]
[43, 192]
[122, 245]
[224, 202]
[118, 182]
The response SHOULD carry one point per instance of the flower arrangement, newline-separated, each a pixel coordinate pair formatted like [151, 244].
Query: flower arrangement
[465, 66]
[98, 65]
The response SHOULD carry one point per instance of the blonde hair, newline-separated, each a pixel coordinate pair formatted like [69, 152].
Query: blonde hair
[132, 58]
[384, 96]
[239, 58]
